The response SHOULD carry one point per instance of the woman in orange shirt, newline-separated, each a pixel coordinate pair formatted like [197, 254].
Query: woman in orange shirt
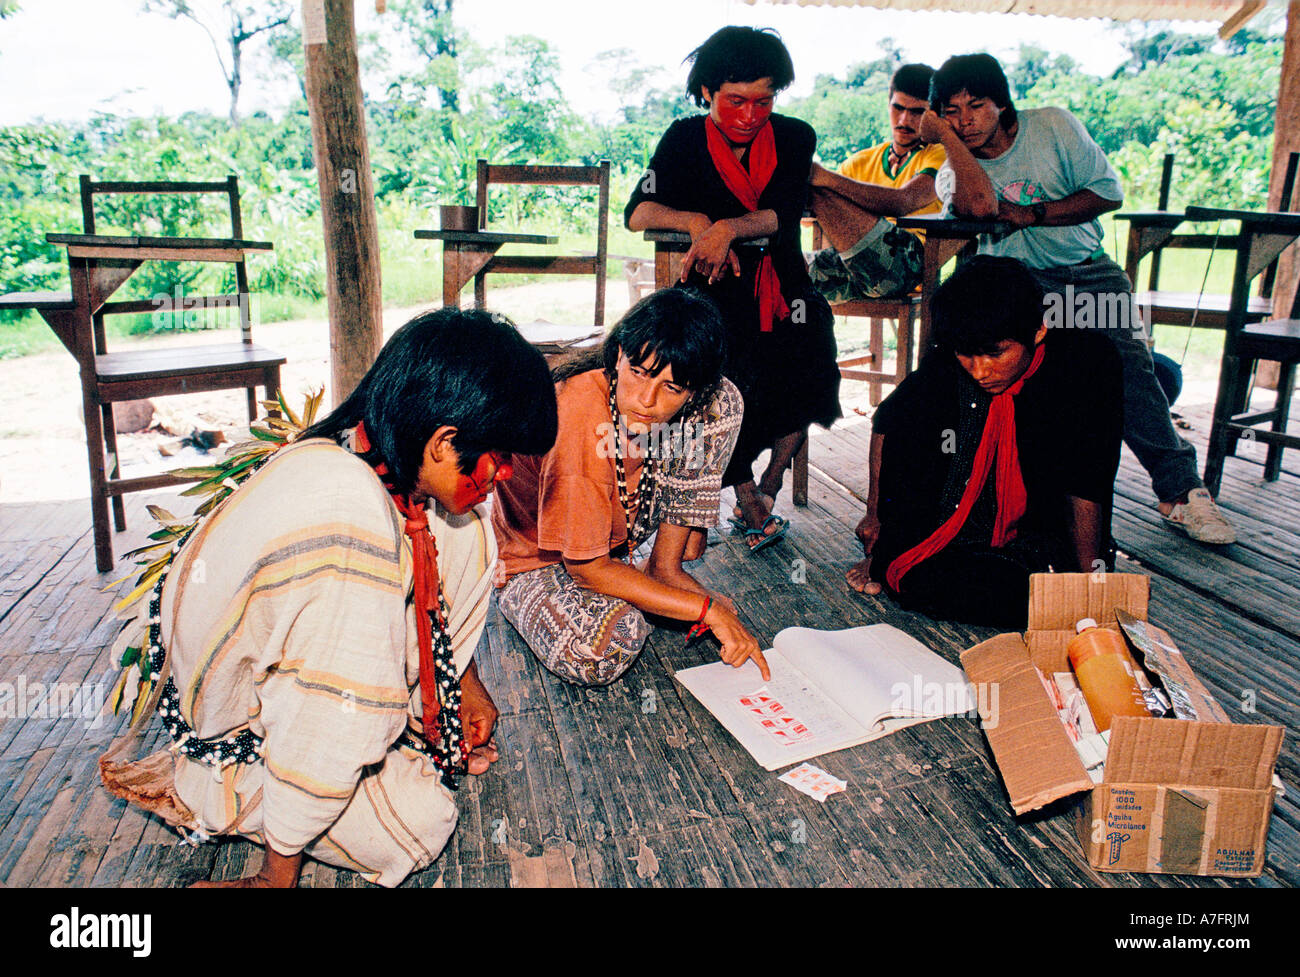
[647, 424]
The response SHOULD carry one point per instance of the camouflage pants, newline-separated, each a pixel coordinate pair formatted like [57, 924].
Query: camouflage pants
[582, 636]
[886, 261]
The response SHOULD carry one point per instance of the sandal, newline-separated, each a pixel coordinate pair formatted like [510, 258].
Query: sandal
[764, 538]
[744, 527]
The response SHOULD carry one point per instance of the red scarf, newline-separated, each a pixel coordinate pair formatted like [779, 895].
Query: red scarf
[425, 568]
[998, 440]
[748, 186]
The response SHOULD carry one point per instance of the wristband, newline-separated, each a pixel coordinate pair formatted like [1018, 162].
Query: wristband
[699, 627]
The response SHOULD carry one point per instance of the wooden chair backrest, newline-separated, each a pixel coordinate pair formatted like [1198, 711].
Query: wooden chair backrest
[597, 176]
[90, 189]
[1206, 241]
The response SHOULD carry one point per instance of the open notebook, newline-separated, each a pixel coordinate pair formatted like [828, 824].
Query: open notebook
[829, 690]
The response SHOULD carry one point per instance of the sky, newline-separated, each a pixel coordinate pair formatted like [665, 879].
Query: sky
[65, 59]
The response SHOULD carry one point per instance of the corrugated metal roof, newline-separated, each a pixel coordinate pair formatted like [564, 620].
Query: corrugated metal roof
[1229, 14]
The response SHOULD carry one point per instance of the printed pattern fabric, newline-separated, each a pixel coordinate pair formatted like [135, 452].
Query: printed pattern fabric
[886, 261]
[584, 637]
[690, 490]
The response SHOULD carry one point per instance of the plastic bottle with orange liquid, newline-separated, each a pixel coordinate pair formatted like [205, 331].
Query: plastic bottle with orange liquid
[1105, 671]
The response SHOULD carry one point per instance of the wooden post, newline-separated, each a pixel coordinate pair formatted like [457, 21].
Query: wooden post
[346, 192]
[1286, 140]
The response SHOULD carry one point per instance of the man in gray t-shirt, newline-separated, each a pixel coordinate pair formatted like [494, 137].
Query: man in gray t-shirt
[1040, 171]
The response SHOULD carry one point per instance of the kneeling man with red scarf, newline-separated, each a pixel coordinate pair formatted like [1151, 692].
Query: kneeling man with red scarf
[996, 459]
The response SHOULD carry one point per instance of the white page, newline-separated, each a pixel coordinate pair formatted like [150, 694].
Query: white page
[838, 683]
[719, 688]
[877, 671]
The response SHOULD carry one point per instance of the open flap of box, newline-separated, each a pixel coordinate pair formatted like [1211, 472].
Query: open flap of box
[1195, 754]
[1038, 762]
[1057, 601]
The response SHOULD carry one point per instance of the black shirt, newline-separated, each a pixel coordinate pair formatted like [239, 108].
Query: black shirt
[1069, 422]
[682, 176]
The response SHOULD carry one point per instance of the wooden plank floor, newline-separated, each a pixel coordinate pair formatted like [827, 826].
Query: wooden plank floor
[636, 784]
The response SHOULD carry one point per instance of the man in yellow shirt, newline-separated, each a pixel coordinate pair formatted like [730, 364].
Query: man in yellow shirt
[870, 257]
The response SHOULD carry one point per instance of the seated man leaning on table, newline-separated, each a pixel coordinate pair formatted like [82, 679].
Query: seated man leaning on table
[870, 256]
[996, 459]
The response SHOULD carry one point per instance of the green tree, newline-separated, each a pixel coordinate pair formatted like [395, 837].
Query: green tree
[1149, 47]
[1133, 107]
[1034, 63]
[850, 113]
[524, 98]
[647, 110]
[427, 26]
[240, 24]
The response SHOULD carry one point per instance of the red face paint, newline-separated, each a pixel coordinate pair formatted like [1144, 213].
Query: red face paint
[473, 488]
[741, 109]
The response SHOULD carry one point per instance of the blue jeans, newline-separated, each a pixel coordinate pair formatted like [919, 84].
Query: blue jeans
[1097, 294]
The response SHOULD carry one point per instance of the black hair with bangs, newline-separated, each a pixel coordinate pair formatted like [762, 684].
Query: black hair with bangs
[979, 76]
[468, 369]
[739, 54]
[674, 327]
[988, 299]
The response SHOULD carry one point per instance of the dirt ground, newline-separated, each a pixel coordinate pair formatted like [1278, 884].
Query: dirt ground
[42, 439]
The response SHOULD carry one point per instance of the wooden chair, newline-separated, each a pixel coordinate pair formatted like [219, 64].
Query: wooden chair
[490, 174]
[1246, 345]
[640, 275]
[902, 311]
[112, 377]
[1279, 341]
[1150, 232]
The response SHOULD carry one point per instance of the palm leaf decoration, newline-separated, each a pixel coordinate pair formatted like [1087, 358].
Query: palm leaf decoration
[217, 483]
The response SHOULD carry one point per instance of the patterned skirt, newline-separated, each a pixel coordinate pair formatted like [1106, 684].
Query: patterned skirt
[584, 637]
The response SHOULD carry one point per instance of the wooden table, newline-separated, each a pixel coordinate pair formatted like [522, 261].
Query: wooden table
[945, 239]
[465, 253]
[1150, 232]
[1263, 236]
[1147, 231]
[670, 246]
[98, 265]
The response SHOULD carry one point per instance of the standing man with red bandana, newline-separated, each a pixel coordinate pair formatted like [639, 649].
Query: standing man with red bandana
[741, 171]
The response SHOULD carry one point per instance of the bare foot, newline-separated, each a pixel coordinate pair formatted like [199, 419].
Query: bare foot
[482, 757]
[859, 578]
[277, 872]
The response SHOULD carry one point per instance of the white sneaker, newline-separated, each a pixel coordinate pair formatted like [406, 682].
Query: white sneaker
[1201, 519]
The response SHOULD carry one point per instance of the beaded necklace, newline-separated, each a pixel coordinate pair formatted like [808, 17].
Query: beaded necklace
[443, 741]
[638, 528]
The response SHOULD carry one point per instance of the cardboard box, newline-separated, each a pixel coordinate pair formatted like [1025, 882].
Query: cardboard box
[1189, 797]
